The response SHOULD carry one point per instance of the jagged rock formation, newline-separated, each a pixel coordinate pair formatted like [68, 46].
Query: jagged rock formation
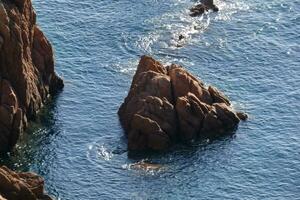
[21, 186]
[204, 6]
[27, 75]
[167, 104]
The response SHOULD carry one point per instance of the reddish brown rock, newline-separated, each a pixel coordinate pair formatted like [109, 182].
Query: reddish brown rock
[17, 186]
[217, 96]
[146, 134]
[167, 104]
[183, 82]
[27, 75]
[203, 7]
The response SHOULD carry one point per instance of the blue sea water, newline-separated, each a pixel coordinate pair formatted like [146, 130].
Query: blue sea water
[249, 49]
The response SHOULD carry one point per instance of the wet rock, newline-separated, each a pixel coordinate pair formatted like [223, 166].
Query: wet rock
[203, 7]
[27, 76]
[16, 186]
[168, 104]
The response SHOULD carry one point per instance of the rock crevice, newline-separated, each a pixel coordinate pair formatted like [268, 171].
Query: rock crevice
[168, 104]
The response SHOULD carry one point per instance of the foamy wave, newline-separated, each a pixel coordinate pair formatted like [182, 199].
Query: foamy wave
[98, 152]
[168, 27]
[229, 8]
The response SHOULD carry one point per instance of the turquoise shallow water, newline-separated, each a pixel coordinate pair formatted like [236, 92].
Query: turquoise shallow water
[250, 50]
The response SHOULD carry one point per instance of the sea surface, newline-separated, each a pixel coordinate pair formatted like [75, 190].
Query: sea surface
[249, 49]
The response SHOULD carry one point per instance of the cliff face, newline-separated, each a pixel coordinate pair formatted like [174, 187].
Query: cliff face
[27, 76]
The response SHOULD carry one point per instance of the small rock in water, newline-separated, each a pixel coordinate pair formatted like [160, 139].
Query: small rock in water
[203, 7]
[146, 166]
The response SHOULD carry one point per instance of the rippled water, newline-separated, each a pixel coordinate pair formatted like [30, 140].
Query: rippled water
[250, 50]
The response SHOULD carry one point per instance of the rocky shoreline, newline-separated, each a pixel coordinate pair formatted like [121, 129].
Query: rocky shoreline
[166, 105]
[27, 81]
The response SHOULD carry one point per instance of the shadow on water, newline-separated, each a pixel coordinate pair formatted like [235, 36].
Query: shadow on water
[33, 146]
[187, 149]
[181, 158]
[180, 155]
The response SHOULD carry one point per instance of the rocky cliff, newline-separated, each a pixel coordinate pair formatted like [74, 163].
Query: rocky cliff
[168, 104]
[21, 186]
[27, 76]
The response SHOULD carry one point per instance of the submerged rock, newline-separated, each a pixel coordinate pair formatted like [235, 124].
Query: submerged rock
[27, 76]
[145, 166]
[16, 186]
[168, 104]
[203, 7]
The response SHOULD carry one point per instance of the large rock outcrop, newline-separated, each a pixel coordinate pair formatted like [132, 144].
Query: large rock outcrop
[168, 104]
[27, 76]
[21, 186]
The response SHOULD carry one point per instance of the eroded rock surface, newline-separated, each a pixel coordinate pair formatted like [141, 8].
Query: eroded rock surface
[168, 104]
[203, 7]
[17, 186]
[27, 76]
